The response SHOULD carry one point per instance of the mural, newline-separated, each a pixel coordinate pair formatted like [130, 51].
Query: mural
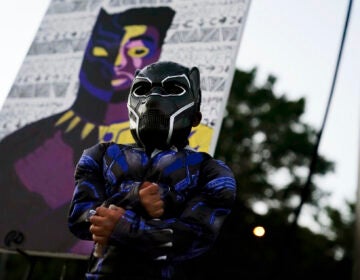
[43, 154]
[71, 92]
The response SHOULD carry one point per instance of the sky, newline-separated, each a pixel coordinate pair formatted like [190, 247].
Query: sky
[296, 41]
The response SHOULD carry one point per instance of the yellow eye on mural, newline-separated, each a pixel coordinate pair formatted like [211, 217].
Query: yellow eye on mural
[138, 52]
[99, 51]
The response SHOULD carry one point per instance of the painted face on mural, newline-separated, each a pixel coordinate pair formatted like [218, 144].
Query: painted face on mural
[117, 48]
[138, 48]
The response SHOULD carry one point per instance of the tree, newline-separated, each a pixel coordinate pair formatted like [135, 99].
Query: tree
[262, 136]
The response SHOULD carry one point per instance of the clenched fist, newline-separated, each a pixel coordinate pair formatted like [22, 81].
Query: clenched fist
[104, 222]
[150, 199]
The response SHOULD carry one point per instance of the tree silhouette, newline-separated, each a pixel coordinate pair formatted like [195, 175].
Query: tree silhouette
[269, 148]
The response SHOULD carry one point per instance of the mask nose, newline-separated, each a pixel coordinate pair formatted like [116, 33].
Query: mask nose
[157, 89]
[156, 102]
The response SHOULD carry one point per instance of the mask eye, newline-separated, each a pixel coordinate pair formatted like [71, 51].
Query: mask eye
[174, 88]
[141, 88]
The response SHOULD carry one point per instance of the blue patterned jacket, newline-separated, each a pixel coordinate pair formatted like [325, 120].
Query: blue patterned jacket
[198, 192]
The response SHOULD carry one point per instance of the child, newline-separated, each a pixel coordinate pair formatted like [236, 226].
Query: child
[158, 204]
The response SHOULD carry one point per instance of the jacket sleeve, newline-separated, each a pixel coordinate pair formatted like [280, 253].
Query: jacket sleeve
[89, 190]
[194, 231]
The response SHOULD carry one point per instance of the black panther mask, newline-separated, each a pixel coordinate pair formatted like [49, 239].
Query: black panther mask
[164, 104]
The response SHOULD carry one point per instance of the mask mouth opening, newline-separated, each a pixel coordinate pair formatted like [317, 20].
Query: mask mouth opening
[154, 120]
[154, 129]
